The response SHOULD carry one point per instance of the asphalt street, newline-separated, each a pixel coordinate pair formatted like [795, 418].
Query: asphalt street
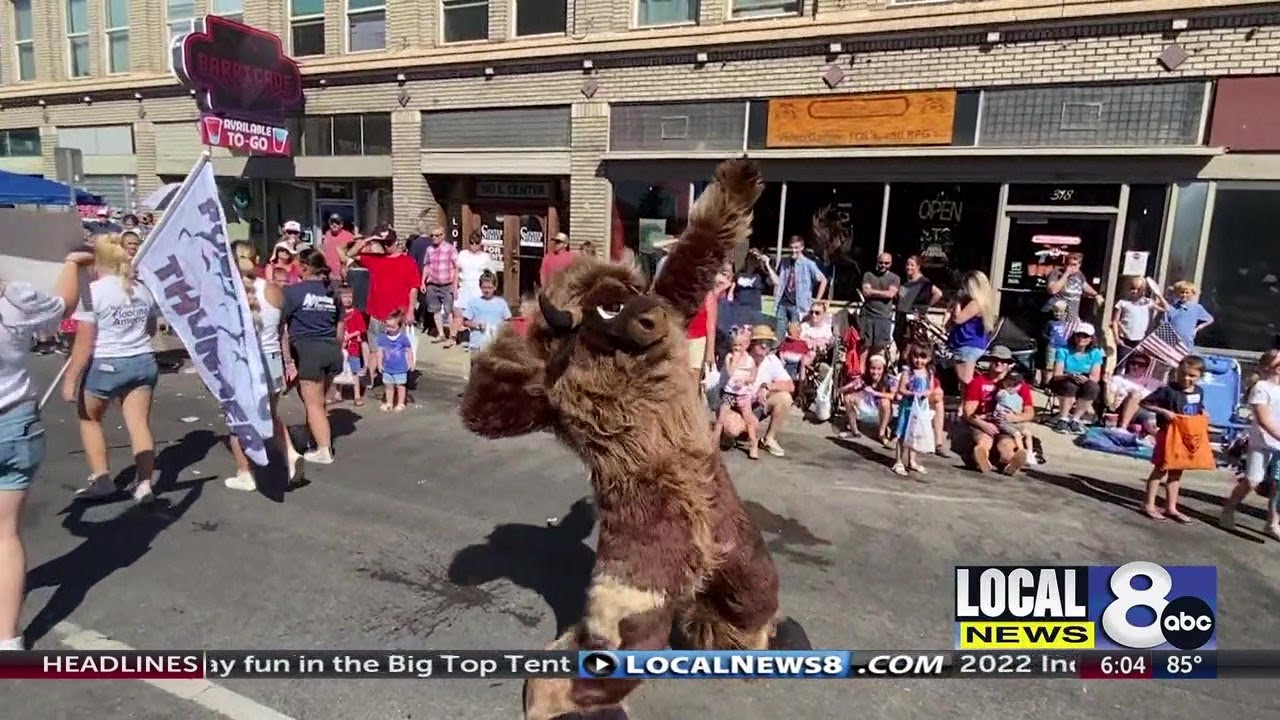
[423, 536]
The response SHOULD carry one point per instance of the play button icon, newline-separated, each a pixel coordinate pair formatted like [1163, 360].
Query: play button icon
[599, 664]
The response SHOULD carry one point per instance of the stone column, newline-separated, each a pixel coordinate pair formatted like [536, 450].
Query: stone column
[146, 154]
[410, 193]
[48, 144]
[588, 192]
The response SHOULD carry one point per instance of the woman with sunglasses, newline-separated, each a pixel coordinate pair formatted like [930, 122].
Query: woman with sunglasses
[473, 261]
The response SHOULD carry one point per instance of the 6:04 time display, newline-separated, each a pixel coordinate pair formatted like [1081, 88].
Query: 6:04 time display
[1115, 666]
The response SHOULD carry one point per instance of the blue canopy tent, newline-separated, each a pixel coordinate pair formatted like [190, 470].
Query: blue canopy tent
[16, 189]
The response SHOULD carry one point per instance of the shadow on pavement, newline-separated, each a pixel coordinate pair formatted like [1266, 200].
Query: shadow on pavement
[552, 561]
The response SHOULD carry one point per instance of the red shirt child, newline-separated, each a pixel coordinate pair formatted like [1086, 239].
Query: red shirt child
[356, 331]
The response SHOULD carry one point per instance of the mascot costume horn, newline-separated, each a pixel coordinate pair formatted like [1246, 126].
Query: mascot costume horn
[604, 365]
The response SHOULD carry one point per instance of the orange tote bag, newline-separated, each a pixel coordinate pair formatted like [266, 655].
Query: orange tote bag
[1186, 444]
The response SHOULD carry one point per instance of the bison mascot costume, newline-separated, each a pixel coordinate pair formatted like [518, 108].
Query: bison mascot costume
[603, 363]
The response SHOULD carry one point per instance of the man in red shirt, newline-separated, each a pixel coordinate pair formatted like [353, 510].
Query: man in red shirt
[393, 279]
[980, 407]
[336, 239]
[558, 259]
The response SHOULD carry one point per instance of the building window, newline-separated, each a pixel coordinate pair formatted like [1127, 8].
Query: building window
[840, 224]
[181, 16]
[20, 143]
[116, 21]
[951, 227]
[1241, 282]
[465, 20]
[342, 135]
[229, 9]
[644, 213]
[541, 17]
[366, 25]
[78, 38]
[306, 27]
[24, 40]
[666, 12]
[764, 8]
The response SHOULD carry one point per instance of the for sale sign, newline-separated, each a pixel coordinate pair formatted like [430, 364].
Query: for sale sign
[243, 136]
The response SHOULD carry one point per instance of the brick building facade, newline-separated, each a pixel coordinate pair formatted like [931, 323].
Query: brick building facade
[607, 125]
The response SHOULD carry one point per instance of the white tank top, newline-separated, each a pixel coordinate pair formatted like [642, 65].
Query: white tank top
[269, 335]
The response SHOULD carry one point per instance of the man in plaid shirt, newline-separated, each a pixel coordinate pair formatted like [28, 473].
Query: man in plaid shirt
[440, 282]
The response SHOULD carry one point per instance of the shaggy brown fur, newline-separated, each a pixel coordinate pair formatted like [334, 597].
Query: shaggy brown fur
[605, 367]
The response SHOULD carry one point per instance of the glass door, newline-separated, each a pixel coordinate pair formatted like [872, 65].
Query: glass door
[528, 245]
[1038, 244]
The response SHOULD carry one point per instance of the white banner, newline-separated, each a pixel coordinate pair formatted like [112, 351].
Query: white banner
[187, 265]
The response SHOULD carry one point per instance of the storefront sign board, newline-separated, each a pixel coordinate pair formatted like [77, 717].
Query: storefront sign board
[238, 71]
[244, 136]
[872, 119]
[513, 190]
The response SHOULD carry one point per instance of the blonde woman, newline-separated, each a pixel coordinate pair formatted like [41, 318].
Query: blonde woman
[266, 300]
[973, 319]
[113, 360]
[23, 310]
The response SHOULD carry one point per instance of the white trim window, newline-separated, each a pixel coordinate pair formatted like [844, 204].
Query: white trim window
[540, 17]
[181, 17]
[24, 41]
[77, 38]
[115, 21]
[650, 13]
[464, 20]
[306, 27]
[741, 9]
[366, 25]
[229, 9]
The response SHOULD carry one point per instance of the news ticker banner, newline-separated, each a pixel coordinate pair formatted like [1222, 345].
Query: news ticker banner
[664, 665]
[1136, 606]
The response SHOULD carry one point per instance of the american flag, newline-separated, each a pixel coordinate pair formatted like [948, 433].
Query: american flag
[1164, 346]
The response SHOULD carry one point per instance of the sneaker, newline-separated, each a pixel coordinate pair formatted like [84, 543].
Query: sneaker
[241, 481]
[1076, 427]
[142, 493]
[1062, 425]
[1274, 531]
[12, 644]
[849, 435]
[1227, 520]
[99, 486]
[319, 456]
[772, 447]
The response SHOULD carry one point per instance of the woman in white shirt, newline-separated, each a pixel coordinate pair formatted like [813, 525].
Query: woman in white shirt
[113, 360]
[23, 311]
[1262, 462]
[472, 263]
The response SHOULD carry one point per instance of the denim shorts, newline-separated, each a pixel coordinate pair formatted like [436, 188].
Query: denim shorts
[109, 378]
[22, 446]
[395, 378]
[354, 364]
[968, 355]
[274, 365]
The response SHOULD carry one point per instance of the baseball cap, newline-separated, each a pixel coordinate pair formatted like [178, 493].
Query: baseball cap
[337, 217]
[1087, 329]
[999, 352]
[286, 246]
[293, 226]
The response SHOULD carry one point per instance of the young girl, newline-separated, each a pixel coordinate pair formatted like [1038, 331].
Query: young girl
[869, 397]
[794, 352]
[739, 388]
[395, 358]
[1055, 338]
[1182, 396]
[1132, 317]
[1263, 459]
[355, 342]
[916, 383]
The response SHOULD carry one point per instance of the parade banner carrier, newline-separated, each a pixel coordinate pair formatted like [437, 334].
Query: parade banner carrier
[186, 263]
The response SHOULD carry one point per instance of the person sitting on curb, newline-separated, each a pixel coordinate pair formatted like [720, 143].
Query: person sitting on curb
[980, 404]
[773, 393]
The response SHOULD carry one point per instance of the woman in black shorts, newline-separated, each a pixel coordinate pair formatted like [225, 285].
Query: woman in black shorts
[312, 352]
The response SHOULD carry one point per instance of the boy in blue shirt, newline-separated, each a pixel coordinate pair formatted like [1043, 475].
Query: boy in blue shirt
[484, 315]
[395, 357]
[1055, 338]
[1187, 316]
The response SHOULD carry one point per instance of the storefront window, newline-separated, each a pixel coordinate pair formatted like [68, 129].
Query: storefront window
[645, 213]
[840, 222]
[1241, 288]
[1143, 228]
[950, 227]
[1188, 226]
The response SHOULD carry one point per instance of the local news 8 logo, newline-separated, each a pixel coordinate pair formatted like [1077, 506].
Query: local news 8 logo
[1185, 622]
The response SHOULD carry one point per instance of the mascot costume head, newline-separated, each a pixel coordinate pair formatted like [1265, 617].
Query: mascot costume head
[604, 365]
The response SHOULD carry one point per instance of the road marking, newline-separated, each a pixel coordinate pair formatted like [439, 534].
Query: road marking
[210, 696]
[919, 495]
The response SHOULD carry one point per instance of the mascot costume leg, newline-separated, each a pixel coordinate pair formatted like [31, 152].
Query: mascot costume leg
[604, 365]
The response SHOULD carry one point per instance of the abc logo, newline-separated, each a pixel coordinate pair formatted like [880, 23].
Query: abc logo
[1184, 622]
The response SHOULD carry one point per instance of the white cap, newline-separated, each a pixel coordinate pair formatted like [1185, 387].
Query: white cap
[1086, 328]
[293, 226]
